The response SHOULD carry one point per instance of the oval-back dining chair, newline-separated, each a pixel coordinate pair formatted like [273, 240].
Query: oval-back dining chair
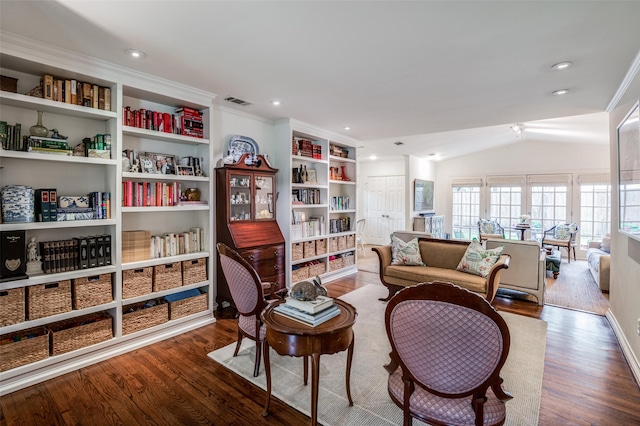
[448, 346]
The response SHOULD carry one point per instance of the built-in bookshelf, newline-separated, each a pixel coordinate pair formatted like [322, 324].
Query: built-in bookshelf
[317, 180]
[75, 176]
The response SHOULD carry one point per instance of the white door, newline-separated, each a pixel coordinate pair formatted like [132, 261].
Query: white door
[385, 208]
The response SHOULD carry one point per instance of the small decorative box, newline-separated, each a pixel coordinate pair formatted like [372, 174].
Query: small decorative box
[73, 202]
[17, 203]
[69, 214]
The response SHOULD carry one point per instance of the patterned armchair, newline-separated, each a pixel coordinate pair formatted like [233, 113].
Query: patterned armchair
[448, 346]
[248, 293]
[489, 229]
[562, 235]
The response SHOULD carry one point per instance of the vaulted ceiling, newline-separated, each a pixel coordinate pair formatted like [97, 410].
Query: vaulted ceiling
[444, 77]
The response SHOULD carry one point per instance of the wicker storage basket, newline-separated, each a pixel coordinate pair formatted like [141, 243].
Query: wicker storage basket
[317, 269]
[342, 242]
[296, 251]
[137, 317]
[12, 306]
[137, 282]
[190, 305]
[302, 273]
[194, 271]
[167, 276]
[335, 264]
[351, 241]
[92, 291]
[309, 248]
[321, 247]
[44, 300]
[15, 350]
[76, 333]
[333, 244]
[348, 259]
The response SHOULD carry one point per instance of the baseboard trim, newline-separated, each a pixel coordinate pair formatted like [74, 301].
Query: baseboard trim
[631, 358]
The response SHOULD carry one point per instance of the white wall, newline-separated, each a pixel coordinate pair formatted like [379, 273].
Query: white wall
[624, 302]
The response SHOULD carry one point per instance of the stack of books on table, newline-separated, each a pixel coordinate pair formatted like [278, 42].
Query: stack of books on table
[311, 313]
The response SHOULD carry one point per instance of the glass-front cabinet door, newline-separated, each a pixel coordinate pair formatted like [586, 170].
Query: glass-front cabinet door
[264, 188]
[239, 197]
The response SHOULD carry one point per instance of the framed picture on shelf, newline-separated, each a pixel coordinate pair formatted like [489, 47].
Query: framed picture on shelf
[164, 163]
[311, 176]
[147, 164]
[185, 170]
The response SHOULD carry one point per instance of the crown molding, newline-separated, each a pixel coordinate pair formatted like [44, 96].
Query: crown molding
[634, 69]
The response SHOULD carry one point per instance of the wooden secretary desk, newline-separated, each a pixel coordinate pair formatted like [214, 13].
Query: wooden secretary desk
[246, 219]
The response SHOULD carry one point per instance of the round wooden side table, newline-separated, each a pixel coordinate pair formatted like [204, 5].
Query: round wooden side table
[289, 337]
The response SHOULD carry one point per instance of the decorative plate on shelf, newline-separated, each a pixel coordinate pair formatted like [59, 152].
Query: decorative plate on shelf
[238, 145]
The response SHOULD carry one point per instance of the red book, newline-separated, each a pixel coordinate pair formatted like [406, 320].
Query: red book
[166, 122]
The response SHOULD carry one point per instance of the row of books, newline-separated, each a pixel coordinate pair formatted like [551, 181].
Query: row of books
[306, 148]
[185, 121]
[305, 196]
[340, 203]
[311, 313]
[11, 136]
[154, 194]
[312, 227]
[75, 253]
[340, 225]
[48, 208]
[173, 244]
[75, 92]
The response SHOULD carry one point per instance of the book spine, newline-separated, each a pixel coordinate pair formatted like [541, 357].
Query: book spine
[107, 99]
[47, 87]
[74, 92]
[101, 94]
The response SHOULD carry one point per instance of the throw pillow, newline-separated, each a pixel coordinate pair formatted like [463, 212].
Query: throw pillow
[407, 254]
[488, 226]
[605, 245]
[562, 232]
[479, 261]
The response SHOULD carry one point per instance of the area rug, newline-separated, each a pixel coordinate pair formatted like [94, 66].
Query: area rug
[575, 288]
[372, 405]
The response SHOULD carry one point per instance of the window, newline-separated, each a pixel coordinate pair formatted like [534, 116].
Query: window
[506, 202]
[550, 200]
[595, 208]
[466, 207]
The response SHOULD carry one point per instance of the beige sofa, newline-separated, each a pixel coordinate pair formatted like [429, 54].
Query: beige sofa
[527, 268]
[599, 262]
[442, 258]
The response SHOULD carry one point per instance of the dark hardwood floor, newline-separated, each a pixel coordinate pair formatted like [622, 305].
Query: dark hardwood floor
[586, 379]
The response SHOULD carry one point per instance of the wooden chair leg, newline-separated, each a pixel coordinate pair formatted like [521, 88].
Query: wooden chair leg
[239, 342]
[256, 369]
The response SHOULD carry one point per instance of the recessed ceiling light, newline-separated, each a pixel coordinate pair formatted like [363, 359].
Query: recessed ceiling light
[373, 157]
[398, 143]
[275, 103]
[561, 65]
[347, 127]
[560, 92]
[136, 53]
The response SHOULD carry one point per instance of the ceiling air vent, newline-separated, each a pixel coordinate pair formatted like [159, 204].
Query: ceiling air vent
[237, 101]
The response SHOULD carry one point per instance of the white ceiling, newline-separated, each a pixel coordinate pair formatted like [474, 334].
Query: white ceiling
[455, 73]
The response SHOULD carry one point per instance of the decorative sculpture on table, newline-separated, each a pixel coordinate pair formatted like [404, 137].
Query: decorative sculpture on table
[306, 290]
